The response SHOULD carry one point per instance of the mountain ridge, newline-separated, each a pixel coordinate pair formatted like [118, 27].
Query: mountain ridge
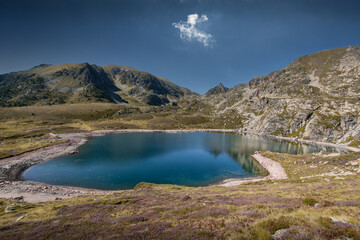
[315, 97]
[71, 83]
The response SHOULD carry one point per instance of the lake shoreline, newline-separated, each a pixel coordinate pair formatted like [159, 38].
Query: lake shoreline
[12, 185]
[275, 170]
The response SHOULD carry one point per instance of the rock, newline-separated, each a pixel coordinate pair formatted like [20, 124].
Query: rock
[185, 198]
[9, 209]
[21, 198]
[13, 207]
[335, 220]
[52, 135]
[18, 219]
[279, 233]
[127, 110]
[355, 162]
[348, 122]
[74, 151]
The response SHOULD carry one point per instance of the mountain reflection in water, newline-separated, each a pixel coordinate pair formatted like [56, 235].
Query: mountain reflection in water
[120, 161]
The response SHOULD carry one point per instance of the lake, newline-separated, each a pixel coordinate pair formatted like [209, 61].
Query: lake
[120, 161]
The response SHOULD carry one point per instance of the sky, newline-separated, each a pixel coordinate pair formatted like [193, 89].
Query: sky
[194, 43]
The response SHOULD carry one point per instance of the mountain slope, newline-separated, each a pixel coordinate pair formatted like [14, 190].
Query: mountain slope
[72, 83]
[138, 86]
[316, 97]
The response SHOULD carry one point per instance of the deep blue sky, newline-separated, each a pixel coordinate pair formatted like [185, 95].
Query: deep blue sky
[253, 37]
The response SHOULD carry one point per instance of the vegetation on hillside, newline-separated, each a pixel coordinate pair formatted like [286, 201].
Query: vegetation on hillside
[78, 83]
[315, 97]
[305, 206]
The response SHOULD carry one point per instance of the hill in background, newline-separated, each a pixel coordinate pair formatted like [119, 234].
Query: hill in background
[316, 97]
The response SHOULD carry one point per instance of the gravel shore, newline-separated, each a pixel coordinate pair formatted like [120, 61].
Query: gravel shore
[12, 186]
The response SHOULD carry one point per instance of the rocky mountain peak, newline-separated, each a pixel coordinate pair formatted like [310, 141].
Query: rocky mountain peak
[217, 89]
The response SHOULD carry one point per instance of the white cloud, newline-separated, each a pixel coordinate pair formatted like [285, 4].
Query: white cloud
[189, 30]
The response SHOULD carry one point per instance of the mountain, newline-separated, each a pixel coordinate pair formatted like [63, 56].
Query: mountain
[73, 83]
[316, 97]
[217, 89]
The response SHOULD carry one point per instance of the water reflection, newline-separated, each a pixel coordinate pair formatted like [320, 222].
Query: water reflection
[240, 147]
[120, 161]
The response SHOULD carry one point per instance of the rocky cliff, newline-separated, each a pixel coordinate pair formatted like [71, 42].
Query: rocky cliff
[316, 97]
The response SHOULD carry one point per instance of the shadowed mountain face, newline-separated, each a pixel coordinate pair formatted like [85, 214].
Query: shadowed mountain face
[72, 83]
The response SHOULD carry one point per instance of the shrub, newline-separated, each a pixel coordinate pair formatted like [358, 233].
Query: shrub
[309, 201]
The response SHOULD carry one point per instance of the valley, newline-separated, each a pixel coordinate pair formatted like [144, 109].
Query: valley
[315, 99]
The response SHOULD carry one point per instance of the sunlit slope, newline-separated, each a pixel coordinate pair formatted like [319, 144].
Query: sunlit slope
[76, 83]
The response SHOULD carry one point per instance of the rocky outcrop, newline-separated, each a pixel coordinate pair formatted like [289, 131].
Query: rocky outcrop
[217, 89]
[316, 97]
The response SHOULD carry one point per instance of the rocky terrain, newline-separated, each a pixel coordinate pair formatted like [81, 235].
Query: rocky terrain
[316, 97]
[217, 89]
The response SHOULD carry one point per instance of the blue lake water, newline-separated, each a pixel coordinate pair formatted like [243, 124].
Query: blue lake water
[120, 161]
